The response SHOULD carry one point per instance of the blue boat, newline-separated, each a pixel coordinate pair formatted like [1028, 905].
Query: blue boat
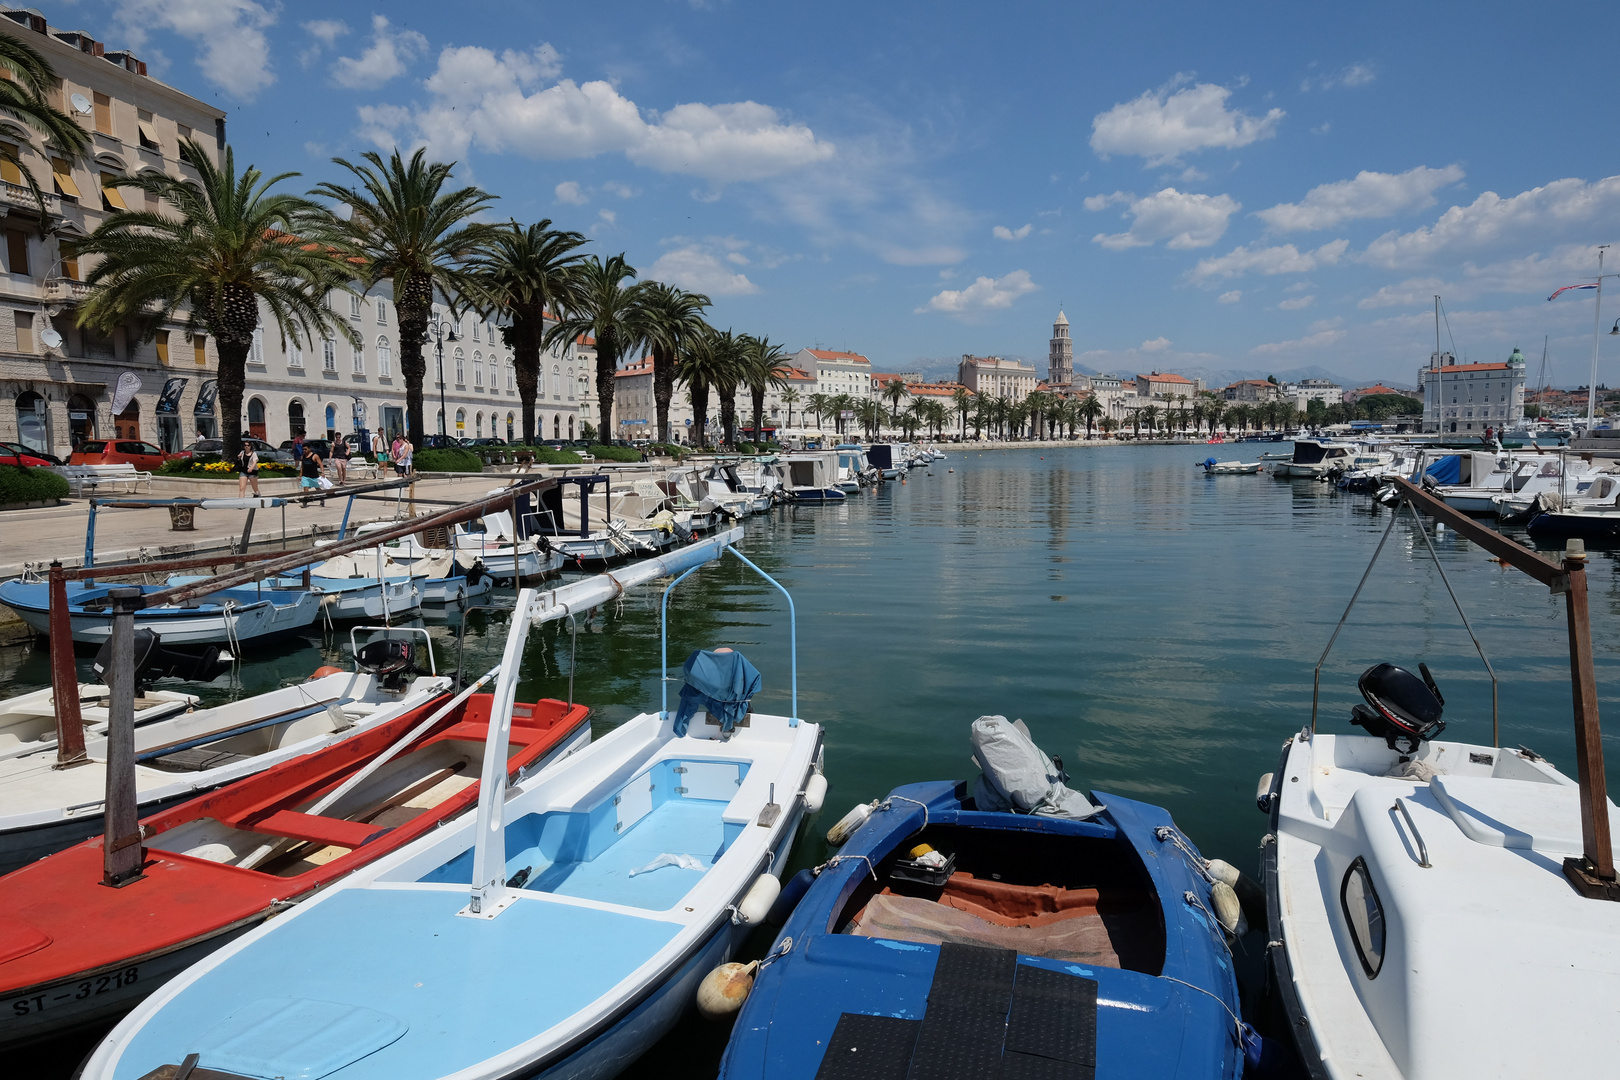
[229, 617]
[1044, 947]
[560, 931]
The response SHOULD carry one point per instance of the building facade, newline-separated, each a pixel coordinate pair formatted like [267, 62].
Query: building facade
[994, 376]
[1060, 354]
[1162, 387]
[1467, 398]
[635, 410]
[836, 372]
[1301, 394]
[57, 382]
[1253, 391]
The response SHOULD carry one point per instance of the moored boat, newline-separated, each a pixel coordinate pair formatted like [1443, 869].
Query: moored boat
[226, 617]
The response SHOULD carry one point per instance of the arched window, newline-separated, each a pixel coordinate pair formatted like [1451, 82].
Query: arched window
[556, 426]
[478, 421]
[385, 359]
[81, 419]
[461, 422]
[295, 419]
[295, 353]
[510, 373]
[478, 367]
[511, 427]
[461, 367]
[570, 384]
[329, 355]
[256, 350]
[359, 358]
[570, 427]
[32, 429]
[556, 382]
[331, 420]
[255, 411]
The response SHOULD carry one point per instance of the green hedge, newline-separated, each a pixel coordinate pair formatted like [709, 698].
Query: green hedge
[20, 484]
[544, 455]
[667, 450]
[447, 459]
[615, 453]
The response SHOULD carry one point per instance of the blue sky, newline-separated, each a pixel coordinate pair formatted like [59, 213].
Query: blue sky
[1203, 187]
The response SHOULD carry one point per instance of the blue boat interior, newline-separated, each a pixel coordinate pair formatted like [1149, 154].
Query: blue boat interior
[642, 844]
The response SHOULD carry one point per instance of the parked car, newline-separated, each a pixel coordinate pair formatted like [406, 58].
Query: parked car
[321, 447]
[483, 442]
[143, 455]
[216, 447]
[17, 454]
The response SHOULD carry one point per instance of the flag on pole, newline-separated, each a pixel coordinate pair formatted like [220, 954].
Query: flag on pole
[1566, 289]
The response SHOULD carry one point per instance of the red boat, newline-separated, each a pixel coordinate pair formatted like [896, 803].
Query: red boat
[74, 952]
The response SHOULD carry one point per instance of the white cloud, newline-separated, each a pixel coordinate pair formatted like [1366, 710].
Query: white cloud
[1407, 293]
[1296, 303]
[1313, 341]
[1369, 195]
[1352, 76]
[737, 258]
[501, 104]
[234, 53]
[1001, 232]
[568, 192]
[1569, 206]
[1535, 274]
[608, 216]
[623, 191]
[929, 255]
[1188, 220]
[700, 271]
[1158, 344]
[1283, 259]
[1298, 286]
[1160, 126]
[327, 31]
[382, 60]
[1231, 297]
[985, 294]
[1102, 202]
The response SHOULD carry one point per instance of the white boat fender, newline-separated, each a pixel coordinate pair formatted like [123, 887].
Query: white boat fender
[815, 793]
[723, 990]
[1228, 912]
[756, 903]
[840, 833]
[1249, 893]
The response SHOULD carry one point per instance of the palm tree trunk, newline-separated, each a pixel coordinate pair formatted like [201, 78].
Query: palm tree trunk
[728, 416]
[526, 365]
[700, 412]
[233, 339]
[413, 300]
[758, 394]
[607, 362]
[663, 388]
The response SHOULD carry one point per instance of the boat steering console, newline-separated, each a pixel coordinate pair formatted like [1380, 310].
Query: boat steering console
[1402, 709]
[391, 660]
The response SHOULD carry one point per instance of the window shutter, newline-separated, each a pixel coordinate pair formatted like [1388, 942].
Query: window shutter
[63, 171]
[103, 108]
[111, 197]
[162, 341]
[199, 349]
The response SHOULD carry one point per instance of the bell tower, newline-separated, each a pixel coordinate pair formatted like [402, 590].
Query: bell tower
[1060, 354]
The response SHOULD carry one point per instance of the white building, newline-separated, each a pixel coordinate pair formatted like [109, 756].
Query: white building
[635, 409]
[836, 372]
[55, 379]
[1301, 394]
[1463, 398]
[994, 376]
[330, 387]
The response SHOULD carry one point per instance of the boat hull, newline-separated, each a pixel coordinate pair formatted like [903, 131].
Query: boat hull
[1555, 526]
[19, 847]
[257, 620]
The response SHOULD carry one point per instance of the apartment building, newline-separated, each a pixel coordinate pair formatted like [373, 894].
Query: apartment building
[836, 372]
[994, 376]
[635, 410]
[1473, 397]
[330, 387]
[57, 381]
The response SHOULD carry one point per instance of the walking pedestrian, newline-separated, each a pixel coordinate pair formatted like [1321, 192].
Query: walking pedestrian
[298, 446]
[398, 454]
[247, 470]
[379, 449]
[340, 460]
[310, 471]
[404, 460]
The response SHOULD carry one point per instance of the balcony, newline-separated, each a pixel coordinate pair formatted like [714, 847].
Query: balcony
[18, 195]
[59, 290]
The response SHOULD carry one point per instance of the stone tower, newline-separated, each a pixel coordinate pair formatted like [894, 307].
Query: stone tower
[1060, 356]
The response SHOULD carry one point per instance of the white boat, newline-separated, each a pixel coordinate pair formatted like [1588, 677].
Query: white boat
[605, 887]
[1313, 458]
[812, 476]
[226, 617]
[1555, 487]
[1434, 909]
[441, 575]
[343, 593]
[1212, 467]
[28, 721]
[44, 808]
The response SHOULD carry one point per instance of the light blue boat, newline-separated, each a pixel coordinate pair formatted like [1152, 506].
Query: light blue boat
[560, 932]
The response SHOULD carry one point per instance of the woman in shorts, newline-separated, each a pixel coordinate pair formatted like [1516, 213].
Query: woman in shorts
[247, 468]
[310, 469]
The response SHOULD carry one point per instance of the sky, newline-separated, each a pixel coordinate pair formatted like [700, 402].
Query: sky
[1205, 188]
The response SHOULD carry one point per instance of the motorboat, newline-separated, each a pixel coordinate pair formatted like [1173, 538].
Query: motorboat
[1555, 487]
[219, 864]
[854, 471]
[232, 617]
[888, 458]
[1212, 467]
[616, 879]
[812, 476]
[1312, 458]
[442, 575]
[1431, 901]
[44, 808]
[954, 936]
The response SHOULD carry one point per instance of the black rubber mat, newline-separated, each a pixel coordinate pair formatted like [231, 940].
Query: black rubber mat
[1016, 1066]
[1054, 1015]
[869, 1048]
[966, 1022]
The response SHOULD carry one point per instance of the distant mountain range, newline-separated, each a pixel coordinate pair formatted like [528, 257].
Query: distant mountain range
[940, 368]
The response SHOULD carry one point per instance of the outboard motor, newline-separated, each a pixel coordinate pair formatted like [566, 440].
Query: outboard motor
[153, 661]
[1401, 708]
[391, 660]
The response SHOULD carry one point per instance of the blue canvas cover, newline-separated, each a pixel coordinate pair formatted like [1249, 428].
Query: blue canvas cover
[1448, 470]
[720, 682]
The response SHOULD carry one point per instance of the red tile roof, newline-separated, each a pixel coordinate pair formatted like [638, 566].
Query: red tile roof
[1475, 367]
[1165, 377]
[1382, 389]
[828, 354]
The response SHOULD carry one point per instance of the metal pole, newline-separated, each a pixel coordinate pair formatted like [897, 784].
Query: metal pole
[1597, 329]
[121, 845]
[1598, 861]
[64, 676]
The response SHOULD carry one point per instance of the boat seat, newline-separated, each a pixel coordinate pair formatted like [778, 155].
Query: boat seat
[198, 759]
[324, 830]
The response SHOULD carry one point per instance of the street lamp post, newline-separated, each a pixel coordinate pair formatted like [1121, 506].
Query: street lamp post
[439, 330]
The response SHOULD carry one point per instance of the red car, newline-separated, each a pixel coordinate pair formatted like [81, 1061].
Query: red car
[143, 455]
[17, 454]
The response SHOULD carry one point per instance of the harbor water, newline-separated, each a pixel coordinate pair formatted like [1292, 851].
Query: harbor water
[1154, 627]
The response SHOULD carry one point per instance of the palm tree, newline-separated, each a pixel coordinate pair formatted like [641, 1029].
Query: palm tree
[1090, 410]
[1150, 417]
[962, 399]
[896, 392]
[227, 246]
[870, 413]
[1107, 424]
[613, 313]
[790, 398]
[23, 97]
[524, 273]
[761, 370]
[1134, 416]
[673, 320]
[838, 406]
[405, 228]
[1214, 413]
[705, 366]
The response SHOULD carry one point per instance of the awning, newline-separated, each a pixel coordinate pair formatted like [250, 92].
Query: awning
[63, 171]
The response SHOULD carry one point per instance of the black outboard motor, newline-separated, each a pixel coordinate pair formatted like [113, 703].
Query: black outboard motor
[153, 661]
[391, 660]
[1401, 709]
